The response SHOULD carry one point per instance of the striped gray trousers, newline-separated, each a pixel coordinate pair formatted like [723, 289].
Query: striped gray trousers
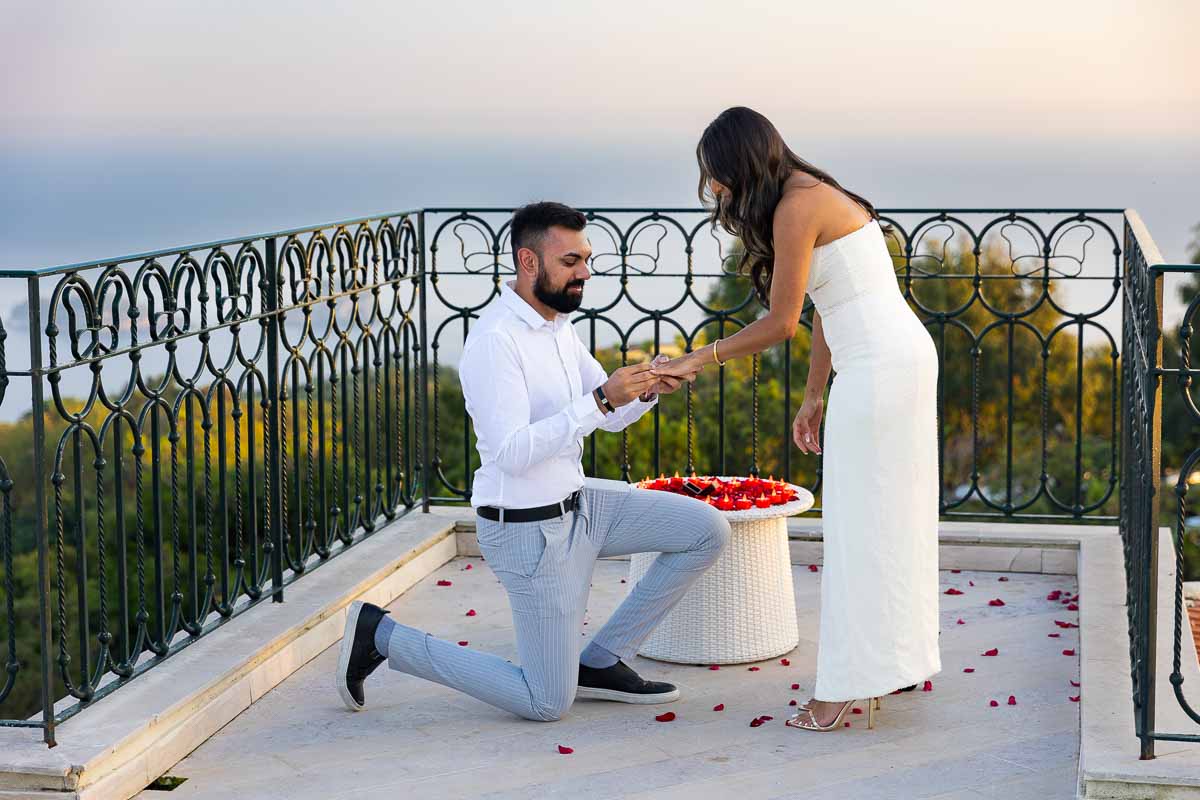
[547, 569]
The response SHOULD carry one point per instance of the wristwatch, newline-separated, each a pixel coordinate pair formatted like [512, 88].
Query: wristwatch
[599, 392]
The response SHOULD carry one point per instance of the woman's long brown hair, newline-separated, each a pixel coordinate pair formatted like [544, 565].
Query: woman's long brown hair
[743, 151]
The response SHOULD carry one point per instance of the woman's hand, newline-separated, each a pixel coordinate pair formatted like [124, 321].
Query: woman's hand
[686, 367]
[806, 427]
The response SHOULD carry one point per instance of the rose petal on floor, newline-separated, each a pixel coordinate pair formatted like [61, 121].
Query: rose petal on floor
[792, 703]
[1074, 699]
[1053, 635]
[1012, 701]
[996, 602]
[463, 643]
[753, 669]
[812, 567]
[1002, 579]
[995, 651]
[928, 687]
[1068, 652]
[953, 591]
[795, 686]
[960, 622]
[566, 751]
[444, 582]
[719, 707]
[714, 667]
[785, 662]
[1075, 684]
[968, 669]
[993, 704]
[471, 612]
[667, 717]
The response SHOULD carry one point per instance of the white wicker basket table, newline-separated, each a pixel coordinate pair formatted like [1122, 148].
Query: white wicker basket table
[743, 608]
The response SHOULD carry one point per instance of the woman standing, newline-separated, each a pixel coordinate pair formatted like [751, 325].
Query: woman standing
[803, 232]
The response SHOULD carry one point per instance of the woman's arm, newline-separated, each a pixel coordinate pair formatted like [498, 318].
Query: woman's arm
[795, 234]
[819, 362]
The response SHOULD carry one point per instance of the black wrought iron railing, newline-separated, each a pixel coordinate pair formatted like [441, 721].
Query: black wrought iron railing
[186, 432]
[202, 426]
[1143, 369]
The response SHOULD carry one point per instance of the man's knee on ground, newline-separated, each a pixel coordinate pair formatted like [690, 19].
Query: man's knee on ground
[550, 704]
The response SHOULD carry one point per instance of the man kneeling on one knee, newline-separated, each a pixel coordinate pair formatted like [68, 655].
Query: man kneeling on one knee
[534, 392]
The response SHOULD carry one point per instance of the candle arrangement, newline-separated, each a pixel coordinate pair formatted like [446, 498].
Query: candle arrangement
[726, 494]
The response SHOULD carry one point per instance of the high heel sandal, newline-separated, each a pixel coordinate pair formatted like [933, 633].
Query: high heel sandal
[805, 720]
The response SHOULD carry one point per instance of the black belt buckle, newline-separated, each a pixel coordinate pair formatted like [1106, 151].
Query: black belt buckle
[531, 514]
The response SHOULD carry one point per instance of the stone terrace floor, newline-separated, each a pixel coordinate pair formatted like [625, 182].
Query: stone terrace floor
[418, 740]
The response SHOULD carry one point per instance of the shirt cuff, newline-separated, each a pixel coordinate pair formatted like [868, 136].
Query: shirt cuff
[586, 413]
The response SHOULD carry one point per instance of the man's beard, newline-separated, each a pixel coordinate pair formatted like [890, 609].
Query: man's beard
[561, 301]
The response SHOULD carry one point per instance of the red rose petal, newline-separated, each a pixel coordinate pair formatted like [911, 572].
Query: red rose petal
[754, 723]
[1074, 699]
[468, 566]
[714, 667]
[970, 583]
[953, 591]
[753, 669]
[928, 687]
[969, 669]
[622, 580]
[1053, 635]
[856, 711]
[1012, 701]
[993, 704]
[1068, 652]
[996, 602]
[785, 662]
[667, 717]
[566, 751]
[956, 571]
[847, 724]
[719, 707]
[766, 718]
[995, 651]
[795, 686]
[1075, 684]
[960, 622]
[471, 612]
[443, 583]
[792, 703]
[812, 567]
[463, 644]
[1072, 607]
[1054, 595]
[1002, 579]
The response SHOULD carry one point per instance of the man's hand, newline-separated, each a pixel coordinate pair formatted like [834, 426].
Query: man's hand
[664, 385]
[627, 383]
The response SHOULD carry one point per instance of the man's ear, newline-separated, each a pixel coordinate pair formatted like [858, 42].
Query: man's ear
[528, 261]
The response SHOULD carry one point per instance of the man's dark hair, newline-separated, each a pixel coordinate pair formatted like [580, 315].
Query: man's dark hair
[530, 223]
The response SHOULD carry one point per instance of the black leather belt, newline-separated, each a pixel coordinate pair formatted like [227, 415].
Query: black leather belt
[530, 514]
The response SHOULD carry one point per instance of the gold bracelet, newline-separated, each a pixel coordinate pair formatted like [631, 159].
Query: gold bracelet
[717, 359]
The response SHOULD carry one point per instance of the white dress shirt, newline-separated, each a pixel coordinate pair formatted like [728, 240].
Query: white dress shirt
[528, 385]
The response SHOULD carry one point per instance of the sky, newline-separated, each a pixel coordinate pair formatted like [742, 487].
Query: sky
[130, 126]
[200, 120]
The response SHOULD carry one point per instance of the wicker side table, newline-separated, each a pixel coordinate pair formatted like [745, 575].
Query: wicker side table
[744, 607]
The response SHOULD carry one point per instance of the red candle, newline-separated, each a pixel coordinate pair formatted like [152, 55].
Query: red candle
[743, 503]
[762, 501]
[725, 503]
[675, 483]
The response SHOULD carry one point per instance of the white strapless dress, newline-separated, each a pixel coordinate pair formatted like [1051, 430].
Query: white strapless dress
[879, 590]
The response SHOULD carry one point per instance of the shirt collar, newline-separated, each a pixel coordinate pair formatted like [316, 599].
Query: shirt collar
[522, 309]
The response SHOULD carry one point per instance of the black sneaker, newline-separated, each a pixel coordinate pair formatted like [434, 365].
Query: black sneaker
[358, 657]
[620, 683]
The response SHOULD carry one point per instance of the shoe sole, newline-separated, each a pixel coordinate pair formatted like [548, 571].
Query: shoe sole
[344, 657]
[589, 693]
